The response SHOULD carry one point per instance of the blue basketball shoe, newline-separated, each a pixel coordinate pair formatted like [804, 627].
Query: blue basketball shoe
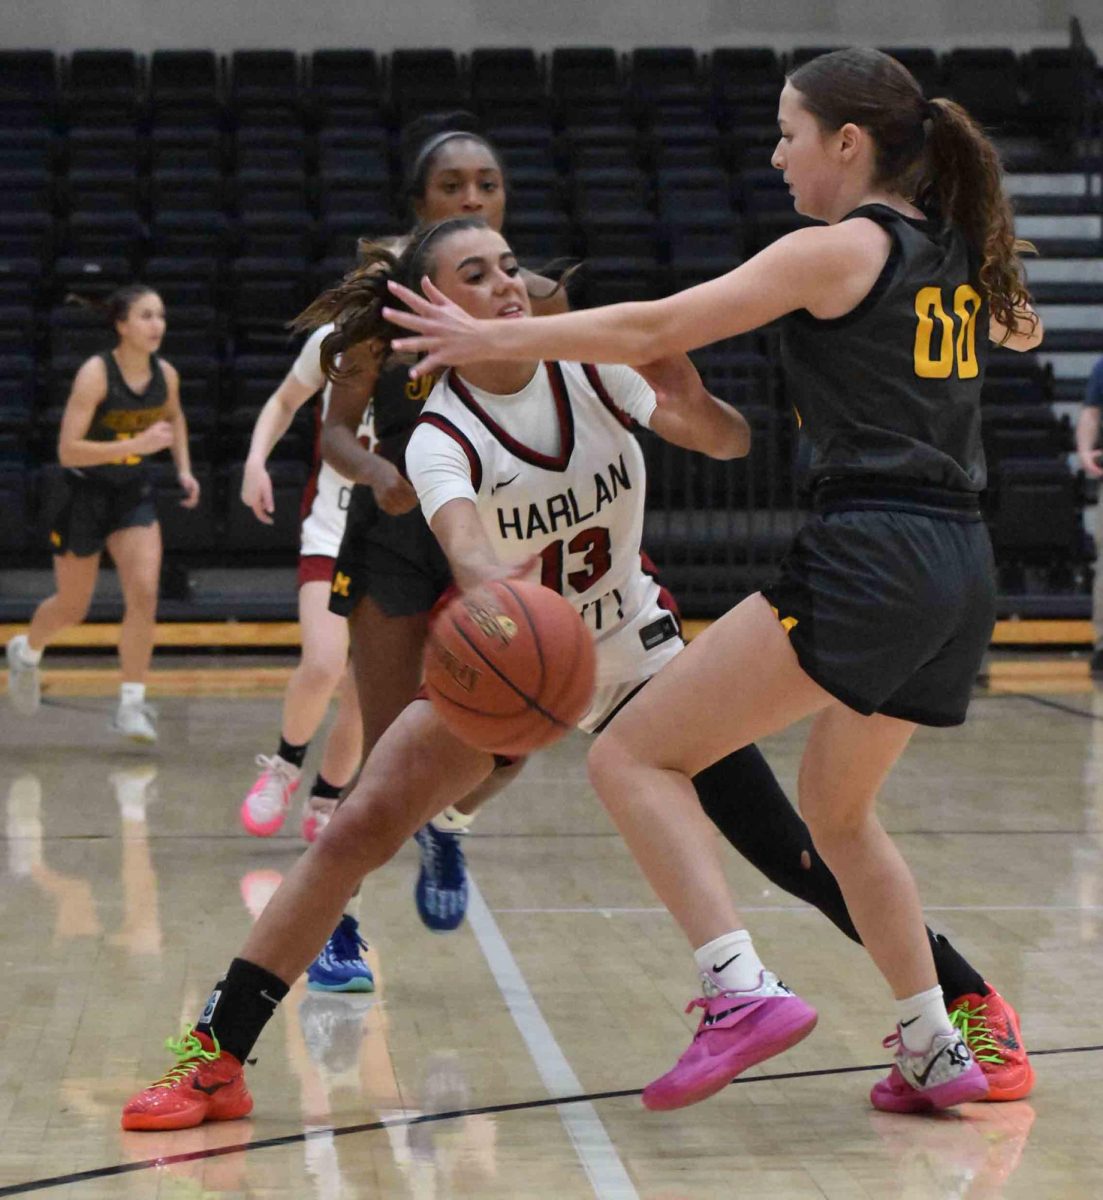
[441, 892]
[340, 967]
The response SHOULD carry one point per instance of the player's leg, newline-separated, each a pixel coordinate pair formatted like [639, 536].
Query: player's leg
[341, 757]
[642, 768]
[847, 758]
[415, 770]
[744, 800]
[75, 582]
[136, 551]
[322, 662]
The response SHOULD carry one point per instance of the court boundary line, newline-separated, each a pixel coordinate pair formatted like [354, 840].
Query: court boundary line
[291, 1139]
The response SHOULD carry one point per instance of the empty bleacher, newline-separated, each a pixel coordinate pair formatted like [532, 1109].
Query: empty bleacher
[237, 187]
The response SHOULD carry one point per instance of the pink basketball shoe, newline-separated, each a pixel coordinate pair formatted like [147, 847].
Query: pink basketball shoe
[265, 806]
[738, 1029]
[941, 1076]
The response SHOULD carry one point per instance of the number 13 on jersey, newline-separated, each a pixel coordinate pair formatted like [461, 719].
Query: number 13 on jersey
[939, 346]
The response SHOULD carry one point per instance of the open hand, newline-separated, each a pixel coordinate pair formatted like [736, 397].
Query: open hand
[191, 489]
[256, 493]
[447, 335]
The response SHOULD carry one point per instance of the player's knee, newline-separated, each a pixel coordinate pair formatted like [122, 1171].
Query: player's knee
[606, 762]
[320, 674]
[141, 598]
[73, 609]
[368, 829]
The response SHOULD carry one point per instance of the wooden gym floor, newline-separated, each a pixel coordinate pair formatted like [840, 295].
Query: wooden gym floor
[505, 1060]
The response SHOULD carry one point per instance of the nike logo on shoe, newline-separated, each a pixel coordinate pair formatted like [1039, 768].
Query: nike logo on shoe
[726, 963]
[715, 1018]
[905, 1024]
[958, 1053]
[211, 1088]
[504, 483]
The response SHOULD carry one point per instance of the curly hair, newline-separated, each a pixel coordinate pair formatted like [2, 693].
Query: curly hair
[355, 305]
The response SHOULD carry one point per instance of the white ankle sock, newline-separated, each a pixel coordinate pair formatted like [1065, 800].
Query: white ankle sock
[921, 1018]
[730, 963]
[132, 693]
[24, 652]
[452, 821]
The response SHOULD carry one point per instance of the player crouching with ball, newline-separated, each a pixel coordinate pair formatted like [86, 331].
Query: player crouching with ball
[520, 468]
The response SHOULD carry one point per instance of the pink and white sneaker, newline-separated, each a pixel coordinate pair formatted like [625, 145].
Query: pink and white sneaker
[317, 811]
[738, 1029]
[264, 808]
[944, 1074]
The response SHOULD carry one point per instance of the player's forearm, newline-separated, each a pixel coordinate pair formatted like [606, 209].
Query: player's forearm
[80, 452]
[1087, 430]
[346, 455]
[273, 421]
[181, 451]
[631, 333]
[722, 431]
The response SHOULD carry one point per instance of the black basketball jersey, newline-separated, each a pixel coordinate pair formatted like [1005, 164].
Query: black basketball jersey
[122, 415]
[892, 389]
[397, 403]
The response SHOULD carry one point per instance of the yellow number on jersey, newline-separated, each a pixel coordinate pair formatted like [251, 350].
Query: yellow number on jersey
[930, 308]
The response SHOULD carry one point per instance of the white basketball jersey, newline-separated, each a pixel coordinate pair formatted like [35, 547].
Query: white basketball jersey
[577, 506]
[326, 498]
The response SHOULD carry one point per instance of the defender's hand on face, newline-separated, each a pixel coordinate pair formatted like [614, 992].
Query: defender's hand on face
[447, 335]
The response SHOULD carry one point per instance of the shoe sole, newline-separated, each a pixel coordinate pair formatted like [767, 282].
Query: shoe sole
[356, 985]
[778, 1044]
[255, 830]
[1001, 1095]
[966, 1089]
[145, 1123]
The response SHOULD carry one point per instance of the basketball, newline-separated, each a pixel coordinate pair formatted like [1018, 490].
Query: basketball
[510, 667]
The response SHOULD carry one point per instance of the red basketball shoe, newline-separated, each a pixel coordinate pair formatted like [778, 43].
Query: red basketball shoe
[207, 1084]
[990, 1028]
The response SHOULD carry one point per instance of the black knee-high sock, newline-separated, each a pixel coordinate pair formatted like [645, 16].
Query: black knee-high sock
[240, 1006]
[744, 800]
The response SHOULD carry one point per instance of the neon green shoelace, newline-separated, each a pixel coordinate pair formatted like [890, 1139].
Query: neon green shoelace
[971, 1025]
[189, 1052]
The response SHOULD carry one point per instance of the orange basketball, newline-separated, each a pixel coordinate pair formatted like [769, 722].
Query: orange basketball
[510, 667]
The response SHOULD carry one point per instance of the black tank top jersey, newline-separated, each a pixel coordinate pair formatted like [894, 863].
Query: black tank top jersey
[397, 403]
[892, 389]
[124, 414]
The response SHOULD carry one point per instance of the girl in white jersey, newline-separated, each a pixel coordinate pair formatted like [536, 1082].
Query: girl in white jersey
[512, 461]
[509, 461]
[322, 667]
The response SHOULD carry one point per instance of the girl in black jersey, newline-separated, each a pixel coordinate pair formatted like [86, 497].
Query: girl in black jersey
[886, 601]
[123, 407]
[390, 570]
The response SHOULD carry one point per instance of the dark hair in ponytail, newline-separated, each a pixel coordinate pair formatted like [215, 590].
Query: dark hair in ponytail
[931, 150]
[356, 304]
[116, 306]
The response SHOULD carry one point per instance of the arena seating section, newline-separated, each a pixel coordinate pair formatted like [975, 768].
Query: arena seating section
[238, 187]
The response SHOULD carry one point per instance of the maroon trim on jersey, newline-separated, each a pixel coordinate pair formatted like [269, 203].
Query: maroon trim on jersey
[602, 393]
[310, 492]
[549, 462]
[666, 597]
[457, 435]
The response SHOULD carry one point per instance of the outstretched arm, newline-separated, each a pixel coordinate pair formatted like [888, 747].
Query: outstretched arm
[819, 269]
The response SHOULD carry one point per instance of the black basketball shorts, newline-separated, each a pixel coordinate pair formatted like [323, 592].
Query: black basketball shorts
[396, 561]
[91, 512]
[891, 611]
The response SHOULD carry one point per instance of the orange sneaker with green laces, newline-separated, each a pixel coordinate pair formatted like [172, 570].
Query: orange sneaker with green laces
[989, 1026]
[207, 1084]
